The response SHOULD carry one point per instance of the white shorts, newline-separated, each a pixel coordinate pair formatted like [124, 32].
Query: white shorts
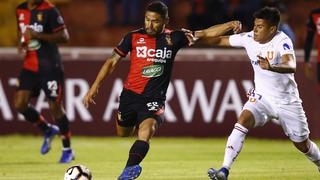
[291, 117]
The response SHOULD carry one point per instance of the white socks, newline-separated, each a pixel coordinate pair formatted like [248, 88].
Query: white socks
[314, 154]
[234, 145]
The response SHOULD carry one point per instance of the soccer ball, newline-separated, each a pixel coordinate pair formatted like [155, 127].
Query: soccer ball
[78, 172]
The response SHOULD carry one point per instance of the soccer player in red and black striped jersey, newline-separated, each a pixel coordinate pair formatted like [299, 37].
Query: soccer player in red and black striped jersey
[152, 52]
[313, 27]
[40, 29]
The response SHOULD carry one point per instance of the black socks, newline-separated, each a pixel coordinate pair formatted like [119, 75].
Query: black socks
[138, 151]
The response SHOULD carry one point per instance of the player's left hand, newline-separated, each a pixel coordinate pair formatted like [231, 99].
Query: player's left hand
[263, 62]
[31, 34]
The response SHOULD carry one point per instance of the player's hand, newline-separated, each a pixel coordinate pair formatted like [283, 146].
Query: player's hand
[236, 26]
[190, 35]
[30, 33]
[22, 51]
[89, 97]
[263, 63]
[308, 72]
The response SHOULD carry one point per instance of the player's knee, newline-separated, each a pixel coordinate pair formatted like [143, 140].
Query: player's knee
[246, 119]
[302, 146]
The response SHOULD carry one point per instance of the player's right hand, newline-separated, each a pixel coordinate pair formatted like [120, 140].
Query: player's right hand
[190, 35]
[308, 72]
[89, 97]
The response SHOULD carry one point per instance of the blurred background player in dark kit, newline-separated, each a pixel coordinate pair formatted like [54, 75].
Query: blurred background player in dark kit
[40, 29]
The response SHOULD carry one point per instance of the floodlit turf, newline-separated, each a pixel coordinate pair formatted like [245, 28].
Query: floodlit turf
[169, 158]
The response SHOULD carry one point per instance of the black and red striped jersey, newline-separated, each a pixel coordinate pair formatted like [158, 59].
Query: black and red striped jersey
[151, 60]
[45, 18]
[313, 26]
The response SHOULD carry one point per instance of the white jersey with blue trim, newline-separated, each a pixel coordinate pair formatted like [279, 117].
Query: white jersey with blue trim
[279, 87]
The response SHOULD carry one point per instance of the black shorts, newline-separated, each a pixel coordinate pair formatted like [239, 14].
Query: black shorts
[51, 84]
[133, 109]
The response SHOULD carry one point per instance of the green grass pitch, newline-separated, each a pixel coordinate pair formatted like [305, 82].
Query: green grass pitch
[168, 159]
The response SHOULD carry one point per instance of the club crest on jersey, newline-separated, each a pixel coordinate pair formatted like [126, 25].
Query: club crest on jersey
[286, 46]
[270, 55]
[144, 52]
[168, 39]
[39, 17]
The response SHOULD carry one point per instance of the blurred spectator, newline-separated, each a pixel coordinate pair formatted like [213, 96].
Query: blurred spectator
[284, 26]
[131, 12]
[206, 13]
[313, 29]
[243, 10]
[111, 17]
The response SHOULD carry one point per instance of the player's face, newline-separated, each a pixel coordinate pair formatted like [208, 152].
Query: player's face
[154, 23]
[263, 31]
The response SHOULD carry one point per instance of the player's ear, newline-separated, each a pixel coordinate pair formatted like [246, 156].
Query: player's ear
[166, 21]
[273, 29]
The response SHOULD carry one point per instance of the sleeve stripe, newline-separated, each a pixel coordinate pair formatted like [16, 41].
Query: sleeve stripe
[59, 28]
[120, 52]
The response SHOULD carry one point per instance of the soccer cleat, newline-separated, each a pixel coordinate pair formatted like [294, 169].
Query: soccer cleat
[48, 136]
[221, 174]
[130, 172]
[67, 156]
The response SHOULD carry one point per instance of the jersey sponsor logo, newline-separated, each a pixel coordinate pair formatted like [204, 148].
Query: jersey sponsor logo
[143, 52]
[286, 46]
[141, 41]
[152, 71]
[32, 44]
[36, 27]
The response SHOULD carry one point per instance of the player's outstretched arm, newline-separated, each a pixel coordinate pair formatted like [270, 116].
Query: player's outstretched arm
[213, 35]
[219, 30]
[105, 70]
[288, 64]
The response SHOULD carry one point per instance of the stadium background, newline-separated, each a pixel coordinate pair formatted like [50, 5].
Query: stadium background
[206, 93]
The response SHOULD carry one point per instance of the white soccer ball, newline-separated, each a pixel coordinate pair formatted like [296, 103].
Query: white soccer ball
[78, 172]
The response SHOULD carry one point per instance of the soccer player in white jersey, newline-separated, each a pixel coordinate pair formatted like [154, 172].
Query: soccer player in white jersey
[275, 95]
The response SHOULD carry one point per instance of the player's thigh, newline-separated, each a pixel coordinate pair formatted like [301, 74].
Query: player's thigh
[28, 87]
[261, 109]
[127, 116]
[151, 109]
[52, 84]
[294, 122]
[21, 99]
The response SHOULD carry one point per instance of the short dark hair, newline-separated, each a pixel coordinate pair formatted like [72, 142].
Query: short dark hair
[270, 14]
[158, 7]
